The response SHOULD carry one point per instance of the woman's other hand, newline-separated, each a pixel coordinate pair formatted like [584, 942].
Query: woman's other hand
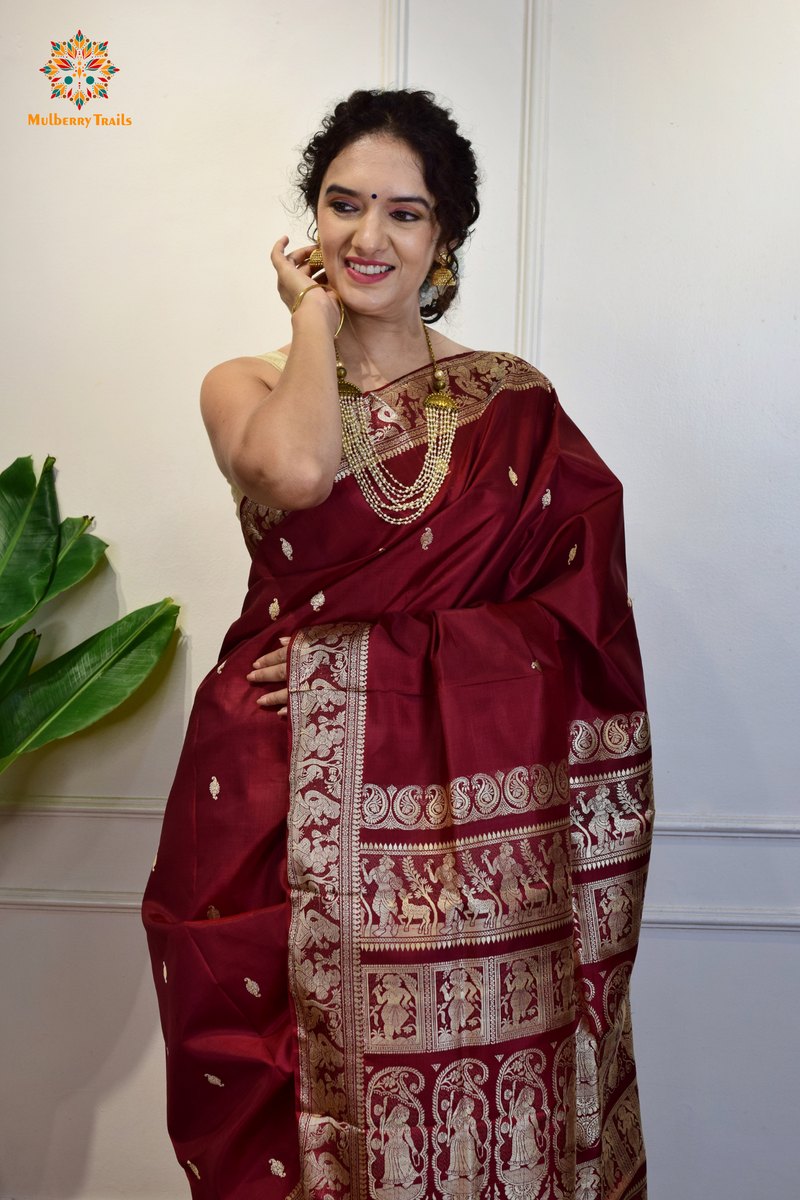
[294, 276]
[278, 435]
[271, 668]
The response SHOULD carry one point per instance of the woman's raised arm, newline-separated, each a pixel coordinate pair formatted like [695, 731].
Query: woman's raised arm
[278, 437]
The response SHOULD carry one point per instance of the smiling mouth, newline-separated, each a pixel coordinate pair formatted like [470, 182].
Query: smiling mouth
[368, 269]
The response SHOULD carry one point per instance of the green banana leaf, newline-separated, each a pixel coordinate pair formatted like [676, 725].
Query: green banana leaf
[29, 532]
[78, 553]
[84, 684]
[16, 666]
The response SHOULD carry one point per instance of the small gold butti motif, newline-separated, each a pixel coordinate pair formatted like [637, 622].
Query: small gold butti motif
[426, 537]
[318, 601]
[215, 1080]
[212, 913]
[630, 602]
[221, 665]
[275, 609]
[572, 554]
[536, 665]
[192, 1168]
[513, 476]
[252, 987]
[546, 498]
[214, 787]
[164, 970]
[286, 547]
[277, 1167]
[155, 860]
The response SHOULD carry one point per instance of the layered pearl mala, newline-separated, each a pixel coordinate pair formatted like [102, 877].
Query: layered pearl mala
[385, 495]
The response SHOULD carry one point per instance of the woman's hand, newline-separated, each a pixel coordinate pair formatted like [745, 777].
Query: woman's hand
[294, 276]
[271, 668]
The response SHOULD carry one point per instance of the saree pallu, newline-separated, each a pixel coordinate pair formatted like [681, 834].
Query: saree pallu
[392, 942]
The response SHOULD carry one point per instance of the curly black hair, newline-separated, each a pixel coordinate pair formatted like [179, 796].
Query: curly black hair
[448, 164]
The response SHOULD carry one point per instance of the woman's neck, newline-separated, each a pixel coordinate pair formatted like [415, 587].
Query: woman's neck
[375, 350]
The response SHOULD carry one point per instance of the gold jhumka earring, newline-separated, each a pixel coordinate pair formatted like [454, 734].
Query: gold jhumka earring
[441, 276]
[316, 261]
[385, 495]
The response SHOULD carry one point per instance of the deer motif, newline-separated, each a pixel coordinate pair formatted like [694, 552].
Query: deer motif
[477, 908]
[635, 823]
[416, 912]
[535, 893]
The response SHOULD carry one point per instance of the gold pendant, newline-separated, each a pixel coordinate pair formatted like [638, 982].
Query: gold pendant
[441, 400]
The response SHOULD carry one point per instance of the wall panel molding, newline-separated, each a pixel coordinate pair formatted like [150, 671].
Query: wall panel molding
[394, 37]
[758, 919]
[64, 900]
[532, 177]
[690, 825]
[84, 806]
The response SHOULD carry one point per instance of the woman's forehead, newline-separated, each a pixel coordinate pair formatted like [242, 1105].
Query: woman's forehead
[378, 163]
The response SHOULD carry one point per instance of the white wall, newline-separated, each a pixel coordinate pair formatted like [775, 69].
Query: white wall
[637, 239]
[669, 322]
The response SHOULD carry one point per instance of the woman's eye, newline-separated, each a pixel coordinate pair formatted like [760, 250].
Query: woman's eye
[341, 206]
[402, 214]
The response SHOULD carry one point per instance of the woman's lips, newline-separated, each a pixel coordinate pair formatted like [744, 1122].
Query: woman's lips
[370, 272]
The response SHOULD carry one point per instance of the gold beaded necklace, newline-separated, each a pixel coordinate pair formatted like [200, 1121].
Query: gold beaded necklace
[385, 495]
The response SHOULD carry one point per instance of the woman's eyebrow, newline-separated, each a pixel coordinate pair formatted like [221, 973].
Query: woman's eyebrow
[410, 200]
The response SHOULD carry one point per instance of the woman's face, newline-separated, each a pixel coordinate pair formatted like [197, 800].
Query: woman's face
[376, 226]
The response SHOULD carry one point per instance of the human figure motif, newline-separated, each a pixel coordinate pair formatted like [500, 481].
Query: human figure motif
[628, 1121]
[526, 1153]
[397, 1004]
[459, 993]
[510, 872]
[449, 900]
[601, 808]
[388, 885]
[616, 905]
[588, 1183]
[521, 986]
[315, 856]
[464, 1141]
[558, 859]
[562, 977]
[586, 1087]
[401, 1159]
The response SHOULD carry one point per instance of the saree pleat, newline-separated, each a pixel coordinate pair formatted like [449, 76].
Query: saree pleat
[393, 951]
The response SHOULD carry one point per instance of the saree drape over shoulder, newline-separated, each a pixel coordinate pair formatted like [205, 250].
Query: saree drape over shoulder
[392, 941]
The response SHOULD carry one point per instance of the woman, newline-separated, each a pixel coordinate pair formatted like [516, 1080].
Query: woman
[436, 642]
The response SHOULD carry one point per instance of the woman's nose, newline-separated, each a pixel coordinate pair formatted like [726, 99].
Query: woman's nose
[369, 237]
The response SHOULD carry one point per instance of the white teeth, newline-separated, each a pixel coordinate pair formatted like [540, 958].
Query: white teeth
[362, 270]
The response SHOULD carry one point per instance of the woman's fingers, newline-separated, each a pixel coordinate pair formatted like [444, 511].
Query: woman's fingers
[271, 674]
[293, 261]
[274, 699]
[271, 668]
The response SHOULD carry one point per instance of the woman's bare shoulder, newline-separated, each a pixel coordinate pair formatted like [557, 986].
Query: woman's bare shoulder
[265, 368]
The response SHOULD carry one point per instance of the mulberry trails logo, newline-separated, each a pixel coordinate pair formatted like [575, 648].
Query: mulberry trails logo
[78, 70]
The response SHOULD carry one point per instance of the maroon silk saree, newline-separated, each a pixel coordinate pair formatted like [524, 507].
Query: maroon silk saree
[392, 937]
